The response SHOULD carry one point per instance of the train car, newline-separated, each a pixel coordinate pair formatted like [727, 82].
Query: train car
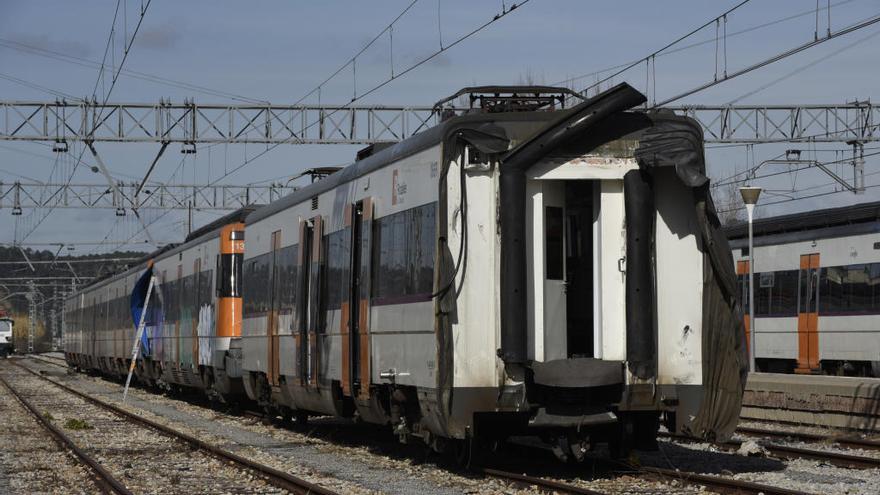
[6, 342]
[519, 269]
[817, 290]
[193, 313]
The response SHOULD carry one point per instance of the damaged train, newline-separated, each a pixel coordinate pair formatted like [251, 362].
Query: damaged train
[521, 268]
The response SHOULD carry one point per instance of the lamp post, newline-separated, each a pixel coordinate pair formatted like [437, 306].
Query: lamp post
[750, 198]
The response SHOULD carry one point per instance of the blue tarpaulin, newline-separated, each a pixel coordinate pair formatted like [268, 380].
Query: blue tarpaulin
[138, 298]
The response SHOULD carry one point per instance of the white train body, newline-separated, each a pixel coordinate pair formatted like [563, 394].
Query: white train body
[394, 341]
[816, 302]
[558, 273]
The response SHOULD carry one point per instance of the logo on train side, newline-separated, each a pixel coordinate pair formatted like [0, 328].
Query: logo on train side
[398, 188]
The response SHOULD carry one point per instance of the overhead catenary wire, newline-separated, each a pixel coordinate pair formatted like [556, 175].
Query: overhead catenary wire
[780, 56]
[625, 67]
[143, 76]
[96, 123]
[696, 44]
[352, 60]
[803, 68]
[38, 87]
[424, 60]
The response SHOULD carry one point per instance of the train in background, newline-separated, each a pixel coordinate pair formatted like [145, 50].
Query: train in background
[817, 290]
[6, 334]
[190, 320]
[519, 269]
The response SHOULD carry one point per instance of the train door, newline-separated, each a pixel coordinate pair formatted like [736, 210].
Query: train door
[742, 275]
[808, 314]
[273, 340]
[356, 345]
[314, 295]
[555, 315]
[93, 330]
[179, 294]
[579, 273]
[565, 222]
[309, 299]
[194, 297]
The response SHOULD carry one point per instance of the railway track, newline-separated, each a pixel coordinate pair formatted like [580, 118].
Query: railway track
[843, 441]
[277, 479]
[105, 481]
[712, 482]
[788, 452]
[719, 483]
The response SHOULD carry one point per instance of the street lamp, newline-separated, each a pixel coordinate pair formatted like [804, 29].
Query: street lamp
[750, 198]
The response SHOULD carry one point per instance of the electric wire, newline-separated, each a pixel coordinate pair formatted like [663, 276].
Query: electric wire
[728, 181]
[33, 85]
[699, 43]
[351, 61]
[375, 88]
[626, 67]
[803, 68]
[106, 50]
[780, 56]
[144, 76]
[97, 122]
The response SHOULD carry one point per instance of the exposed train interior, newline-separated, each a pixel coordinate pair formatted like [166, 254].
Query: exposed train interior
[569, 257]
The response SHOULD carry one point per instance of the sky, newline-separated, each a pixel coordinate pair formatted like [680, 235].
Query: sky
[280, 51]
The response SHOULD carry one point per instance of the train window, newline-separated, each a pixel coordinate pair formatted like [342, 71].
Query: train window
[338, 256]
[403, 256]
[850, 289]
[286, 278]
[236, 235]
[205, 295]
[553, 237]
[229, 275]
[775, 293]
[256, 285]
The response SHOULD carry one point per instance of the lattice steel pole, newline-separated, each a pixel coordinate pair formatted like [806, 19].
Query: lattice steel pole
[32, 316]
[53, 319]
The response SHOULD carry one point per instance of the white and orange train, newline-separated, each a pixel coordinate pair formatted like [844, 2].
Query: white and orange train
[191, 318]
[817, 290]
[518, 268]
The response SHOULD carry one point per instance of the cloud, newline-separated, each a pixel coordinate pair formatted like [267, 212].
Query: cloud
[159, 38]
[43, 42]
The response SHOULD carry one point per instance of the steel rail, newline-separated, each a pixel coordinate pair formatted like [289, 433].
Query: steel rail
[105, 481]
[554, 486]
[843, 441]
[787, 452]
[719, 482]
[273, 476]
[710, 481]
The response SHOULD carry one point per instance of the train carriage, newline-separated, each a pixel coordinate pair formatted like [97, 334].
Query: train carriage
[518, 269]
[511, 270]
[816, 297]
[193, 313]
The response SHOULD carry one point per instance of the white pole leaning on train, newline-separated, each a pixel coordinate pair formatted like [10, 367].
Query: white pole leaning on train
[136, 346]
[750, 196]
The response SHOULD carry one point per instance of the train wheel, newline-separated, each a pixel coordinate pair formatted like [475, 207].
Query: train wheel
[620, 444]
[301, 418]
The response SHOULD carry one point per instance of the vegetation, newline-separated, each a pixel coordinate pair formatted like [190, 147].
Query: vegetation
[14, 291]
[77, 424]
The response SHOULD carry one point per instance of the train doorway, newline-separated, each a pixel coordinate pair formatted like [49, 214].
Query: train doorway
[563, 216]
[808, 315]
[579, 274]
[273, 358]
[356, 368]
[303, 300]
